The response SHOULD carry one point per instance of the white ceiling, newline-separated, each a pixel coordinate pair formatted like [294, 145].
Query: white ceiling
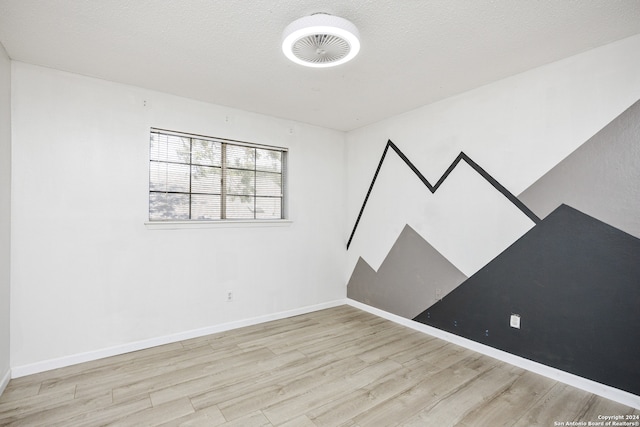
[227, 52]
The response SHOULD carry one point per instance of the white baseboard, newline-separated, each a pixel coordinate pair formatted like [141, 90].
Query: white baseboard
[47, 365]
[590, 386]
[4, 381]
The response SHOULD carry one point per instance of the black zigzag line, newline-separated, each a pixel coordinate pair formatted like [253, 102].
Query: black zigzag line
[433, 188]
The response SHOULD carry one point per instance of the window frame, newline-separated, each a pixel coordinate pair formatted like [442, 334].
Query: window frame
[174, 223]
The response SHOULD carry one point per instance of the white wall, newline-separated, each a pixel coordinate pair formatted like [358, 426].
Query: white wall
[5, 212]
[516, 129]
[86, 272]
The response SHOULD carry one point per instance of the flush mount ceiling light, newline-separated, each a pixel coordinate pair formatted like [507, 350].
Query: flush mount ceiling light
[320, 40]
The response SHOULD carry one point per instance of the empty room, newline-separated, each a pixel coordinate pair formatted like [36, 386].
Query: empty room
[320, 213]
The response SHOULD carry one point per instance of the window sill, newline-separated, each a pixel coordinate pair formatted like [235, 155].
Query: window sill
[176, 225]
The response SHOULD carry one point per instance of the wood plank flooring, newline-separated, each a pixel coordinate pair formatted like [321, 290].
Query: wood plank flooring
[335, 367]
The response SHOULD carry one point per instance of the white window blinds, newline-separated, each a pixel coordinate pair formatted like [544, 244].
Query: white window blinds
[201, 178]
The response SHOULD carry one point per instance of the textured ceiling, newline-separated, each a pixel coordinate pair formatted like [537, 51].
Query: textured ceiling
[414, 52]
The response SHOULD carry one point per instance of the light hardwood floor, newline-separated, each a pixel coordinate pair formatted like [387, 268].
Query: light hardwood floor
[335, 367]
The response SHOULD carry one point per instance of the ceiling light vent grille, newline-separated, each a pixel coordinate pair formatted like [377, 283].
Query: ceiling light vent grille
[321, 48]
[320, 40]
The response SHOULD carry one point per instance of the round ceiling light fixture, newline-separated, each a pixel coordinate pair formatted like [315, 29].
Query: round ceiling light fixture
[320, 40]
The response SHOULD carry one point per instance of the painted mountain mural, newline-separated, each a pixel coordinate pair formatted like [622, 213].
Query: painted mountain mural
[574, 278]
[468, 231]
[412, 276]
[601, 178]
[575, 282]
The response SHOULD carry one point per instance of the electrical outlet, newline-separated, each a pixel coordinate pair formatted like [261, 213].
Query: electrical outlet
[514, 322]
[229, 296]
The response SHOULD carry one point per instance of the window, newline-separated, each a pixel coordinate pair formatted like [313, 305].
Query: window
[195, 177]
